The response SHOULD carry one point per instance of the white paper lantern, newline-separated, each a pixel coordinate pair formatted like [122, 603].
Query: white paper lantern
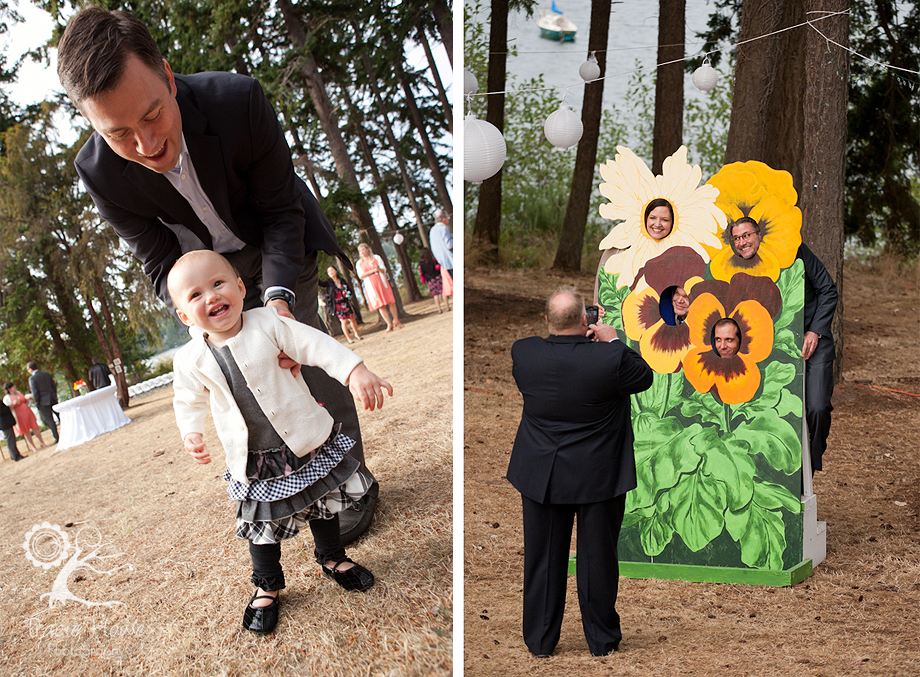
[470, 84]
[484, 149]
[590, 70]
[705, 78]
[398, 238]
[563, 128]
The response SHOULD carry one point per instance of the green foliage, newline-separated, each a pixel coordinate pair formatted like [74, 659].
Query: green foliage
[883, 152]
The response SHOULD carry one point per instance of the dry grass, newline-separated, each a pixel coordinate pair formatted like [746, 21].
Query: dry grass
[170, 519]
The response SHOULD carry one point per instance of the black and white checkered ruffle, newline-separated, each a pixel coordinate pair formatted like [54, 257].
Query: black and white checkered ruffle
[326, 507]
[288, 483]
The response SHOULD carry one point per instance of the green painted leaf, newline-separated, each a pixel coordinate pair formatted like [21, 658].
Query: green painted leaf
[791, 285]
[656, 530]
[774, 496]
[662, 456]
[761, 534]
[776, 377]
[775, 439]
[704, 406]
[611, 297]
[790, 404]
[727, 462]
[784, 341]
[699, 507]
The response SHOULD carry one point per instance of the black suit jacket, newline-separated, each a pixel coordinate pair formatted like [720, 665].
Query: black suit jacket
[7, 420]
[244, 165]
[820, 303]
[44, 389]
[575, 440]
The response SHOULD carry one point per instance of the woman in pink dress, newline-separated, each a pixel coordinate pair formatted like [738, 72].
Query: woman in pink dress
[25, 418]
[372, 272]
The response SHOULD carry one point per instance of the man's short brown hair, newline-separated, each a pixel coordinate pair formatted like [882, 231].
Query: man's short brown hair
[562, 317]
[95, 47]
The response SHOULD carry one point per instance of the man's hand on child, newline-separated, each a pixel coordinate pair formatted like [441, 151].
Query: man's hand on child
[194, 445]
[286, 362]
[367, 387]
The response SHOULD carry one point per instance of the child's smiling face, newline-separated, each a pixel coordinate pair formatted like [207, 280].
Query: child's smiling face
[208, 294]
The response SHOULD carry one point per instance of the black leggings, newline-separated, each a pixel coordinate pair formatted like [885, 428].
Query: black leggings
[266, 559]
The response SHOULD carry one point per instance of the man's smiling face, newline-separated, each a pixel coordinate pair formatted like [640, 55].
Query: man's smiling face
[139, 119]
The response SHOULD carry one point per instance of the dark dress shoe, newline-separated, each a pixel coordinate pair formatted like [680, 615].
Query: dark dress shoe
[356, 578]
[261, 619]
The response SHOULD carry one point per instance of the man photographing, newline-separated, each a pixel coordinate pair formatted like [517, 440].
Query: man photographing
[573, 455]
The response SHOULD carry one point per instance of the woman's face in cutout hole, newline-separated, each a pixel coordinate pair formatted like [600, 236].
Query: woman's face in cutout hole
[659, 223]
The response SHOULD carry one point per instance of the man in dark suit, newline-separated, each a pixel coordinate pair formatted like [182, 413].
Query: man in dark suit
[7, 421]
[179, 163]
[818, 344]
[99, 374]
[44, 392]
[573, 455]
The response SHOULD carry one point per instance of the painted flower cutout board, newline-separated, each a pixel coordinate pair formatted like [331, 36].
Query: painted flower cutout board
[718, 438]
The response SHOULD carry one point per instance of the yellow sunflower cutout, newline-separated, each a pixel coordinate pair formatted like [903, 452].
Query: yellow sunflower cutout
[766, 195]
[629, 186]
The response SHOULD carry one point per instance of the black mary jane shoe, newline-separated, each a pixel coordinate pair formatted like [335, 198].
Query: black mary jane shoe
[356, 578]
[261, 619]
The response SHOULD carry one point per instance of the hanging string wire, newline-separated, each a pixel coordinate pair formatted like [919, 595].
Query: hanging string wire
[810, 23]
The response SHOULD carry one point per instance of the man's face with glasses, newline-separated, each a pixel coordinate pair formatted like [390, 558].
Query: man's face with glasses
[745, 239]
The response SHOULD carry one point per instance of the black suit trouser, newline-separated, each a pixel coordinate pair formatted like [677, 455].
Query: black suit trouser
[10, 436]
[547, 537]
[47, 414]
[819, 388]
[326, 390]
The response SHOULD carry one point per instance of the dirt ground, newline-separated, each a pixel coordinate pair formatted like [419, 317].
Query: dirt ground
[181, 577]
[858, 614]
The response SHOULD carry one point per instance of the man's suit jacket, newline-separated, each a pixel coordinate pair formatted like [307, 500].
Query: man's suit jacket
[7, 420]
[820, 303]
[575, 440]
[44, 389]
[244, 165]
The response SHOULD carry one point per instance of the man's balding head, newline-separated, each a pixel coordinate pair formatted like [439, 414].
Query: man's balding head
[565, 310]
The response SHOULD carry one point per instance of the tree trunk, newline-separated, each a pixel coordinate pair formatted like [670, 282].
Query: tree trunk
[669, 82]
[416, 117]
[572, 238]
[391, 137]
[823, 171]
[432, 66]
[444, 19]
[755, 74]
[309, 71]
[488, 222]
[786, 104]
[412, 292]
[121, 380]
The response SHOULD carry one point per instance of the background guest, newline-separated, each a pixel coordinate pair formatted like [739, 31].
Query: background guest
[44, 392]
[338, 296]
[25, 419]
[373, 274]
[430, 272]
[7, 423]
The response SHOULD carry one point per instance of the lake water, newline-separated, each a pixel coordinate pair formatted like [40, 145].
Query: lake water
[633, 37]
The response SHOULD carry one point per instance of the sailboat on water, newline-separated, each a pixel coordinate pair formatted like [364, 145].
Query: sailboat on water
[555, 26]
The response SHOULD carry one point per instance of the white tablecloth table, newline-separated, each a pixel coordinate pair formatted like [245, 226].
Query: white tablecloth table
[88, 416]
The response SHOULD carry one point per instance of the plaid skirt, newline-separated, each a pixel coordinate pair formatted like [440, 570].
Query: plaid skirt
[286, 491]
